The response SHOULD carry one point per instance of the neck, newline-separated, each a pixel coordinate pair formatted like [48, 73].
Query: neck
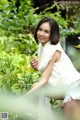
[45, 43]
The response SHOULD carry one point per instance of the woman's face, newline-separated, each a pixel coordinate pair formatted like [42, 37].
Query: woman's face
[43, 33]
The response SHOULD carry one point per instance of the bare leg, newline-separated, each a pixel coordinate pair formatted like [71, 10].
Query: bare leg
[72, 110]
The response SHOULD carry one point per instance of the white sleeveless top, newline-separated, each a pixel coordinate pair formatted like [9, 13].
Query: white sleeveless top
[63, 71]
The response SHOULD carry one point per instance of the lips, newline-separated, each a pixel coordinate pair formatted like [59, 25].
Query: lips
[41, 38]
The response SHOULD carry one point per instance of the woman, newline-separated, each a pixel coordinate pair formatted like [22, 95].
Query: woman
[59, 79]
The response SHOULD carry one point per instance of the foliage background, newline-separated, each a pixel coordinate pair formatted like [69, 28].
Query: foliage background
[18, 47]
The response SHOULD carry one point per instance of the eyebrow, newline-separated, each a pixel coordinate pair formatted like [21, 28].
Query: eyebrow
[44, 29]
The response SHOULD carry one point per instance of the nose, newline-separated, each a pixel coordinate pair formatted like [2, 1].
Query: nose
[42, 33]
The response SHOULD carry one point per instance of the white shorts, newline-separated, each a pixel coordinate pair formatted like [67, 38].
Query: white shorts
[73, 92]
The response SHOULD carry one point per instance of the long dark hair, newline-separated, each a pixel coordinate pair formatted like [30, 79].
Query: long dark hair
[54, 30]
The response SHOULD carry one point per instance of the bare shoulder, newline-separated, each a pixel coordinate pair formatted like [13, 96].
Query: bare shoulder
[56, 56]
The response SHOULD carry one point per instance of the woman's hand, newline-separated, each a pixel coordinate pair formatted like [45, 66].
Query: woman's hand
[34, 64]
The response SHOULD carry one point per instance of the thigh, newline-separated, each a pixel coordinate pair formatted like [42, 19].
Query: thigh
[72, 110]
[72, 105]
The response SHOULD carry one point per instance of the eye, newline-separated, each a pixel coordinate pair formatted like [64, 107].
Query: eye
[47, 31]
[40, 29]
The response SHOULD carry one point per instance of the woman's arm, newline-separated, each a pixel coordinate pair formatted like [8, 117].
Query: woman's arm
[47, 71]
